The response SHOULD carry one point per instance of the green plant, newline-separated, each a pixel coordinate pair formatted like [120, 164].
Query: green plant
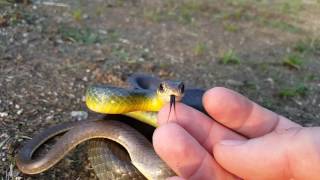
[230, 27]
[187, 10]
[77, 14]
[315, 45]
[113, 35]
[183, 12]
[120, 54]
[18, 16]
[279, 24]
[154, 15]
[293, 61]
[289, 92]
[7, 2]
[301, 47]
[292, 6]
[282, 25]
[199, 49]
[310, 45]
[85, 36]
[230, 57]
[268, 103]
[237, 2]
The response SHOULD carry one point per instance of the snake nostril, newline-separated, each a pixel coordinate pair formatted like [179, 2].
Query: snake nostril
[161, 88]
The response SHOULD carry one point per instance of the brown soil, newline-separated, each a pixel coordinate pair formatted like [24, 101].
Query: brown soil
[50, 52]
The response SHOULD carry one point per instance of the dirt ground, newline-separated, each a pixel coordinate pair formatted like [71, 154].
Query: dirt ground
[51, 50]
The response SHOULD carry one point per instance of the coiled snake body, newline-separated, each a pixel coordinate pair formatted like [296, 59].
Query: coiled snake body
[109, 160]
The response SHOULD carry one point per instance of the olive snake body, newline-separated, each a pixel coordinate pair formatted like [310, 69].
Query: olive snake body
[107, 159]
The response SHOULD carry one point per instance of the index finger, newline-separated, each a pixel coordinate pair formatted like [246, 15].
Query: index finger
[205, 130]
[183, 153]
[241, 114]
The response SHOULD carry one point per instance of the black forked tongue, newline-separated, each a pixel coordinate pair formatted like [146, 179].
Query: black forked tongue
[172, 104]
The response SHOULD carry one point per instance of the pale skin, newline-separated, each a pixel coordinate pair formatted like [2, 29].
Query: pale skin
[244, 141]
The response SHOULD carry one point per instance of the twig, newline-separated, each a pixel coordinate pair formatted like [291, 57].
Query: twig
[54, 4]
[25, 137]
[4, 142]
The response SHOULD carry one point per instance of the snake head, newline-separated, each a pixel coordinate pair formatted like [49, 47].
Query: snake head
[169, 89]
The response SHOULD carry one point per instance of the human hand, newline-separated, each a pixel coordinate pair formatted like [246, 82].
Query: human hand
[246, 141]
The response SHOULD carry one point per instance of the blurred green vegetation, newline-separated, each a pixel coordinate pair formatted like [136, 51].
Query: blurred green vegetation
[230, 57]
[297, 90]
[80, 35]
[280, 14]
[293, 60]
[199, 49]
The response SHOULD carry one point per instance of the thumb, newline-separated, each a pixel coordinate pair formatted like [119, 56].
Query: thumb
[283, 154]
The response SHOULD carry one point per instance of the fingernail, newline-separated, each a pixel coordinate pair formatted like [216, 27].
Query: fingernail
[232, 142]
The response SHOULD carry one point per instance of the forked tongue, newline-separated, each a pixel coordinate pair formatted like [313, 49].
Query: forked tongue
[172, 104]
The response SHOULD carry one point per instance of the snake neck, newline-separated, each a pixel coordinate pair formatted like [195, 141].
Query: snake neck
[114, 100]
[156, 102]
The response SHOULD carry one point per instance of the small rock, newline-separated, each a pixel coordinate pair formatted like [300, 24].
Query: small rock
[124, 41]
[233, 82]
[49, 117]
[79, 115]
[141, 59]
[3, 114]
[83, 99]
[4, 135]
[298, 102]
[101, 31]
[59, 41]
[19, 111]
[85, 16]
[11, 170]
[270, 80]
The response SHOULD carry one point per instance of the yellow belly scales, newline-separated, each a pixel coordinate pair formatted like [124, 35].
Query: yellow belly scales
[133, 103]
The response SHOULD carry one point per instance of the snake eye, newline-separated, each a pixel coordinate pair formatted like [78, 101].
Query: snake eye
[161, 89]
[181, 87]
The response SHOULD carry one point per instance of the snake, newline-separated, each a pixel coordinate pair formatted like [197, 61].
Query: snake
[127, 154]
